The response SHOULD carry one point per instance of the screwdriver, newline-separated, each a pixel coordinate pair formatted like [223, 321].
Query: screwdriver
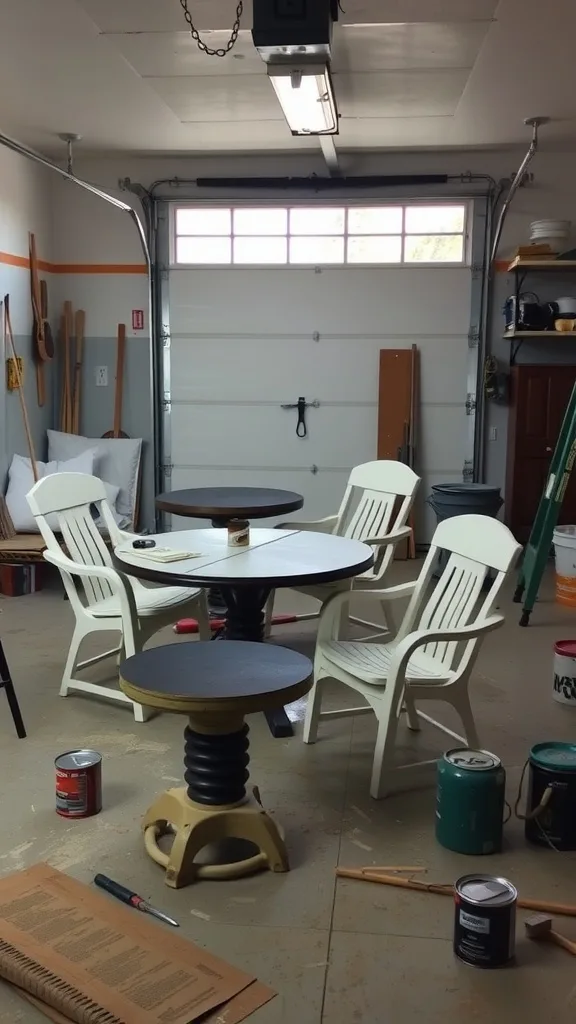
[131, 898]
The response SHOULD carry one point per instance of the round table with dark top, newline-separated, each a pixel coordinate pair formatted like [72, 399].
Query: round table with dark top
[223, 505]
[274, 559]
[216, 686]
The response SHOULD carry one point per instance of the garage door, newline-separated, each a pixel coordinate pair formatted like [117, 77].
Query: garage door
[268, 304]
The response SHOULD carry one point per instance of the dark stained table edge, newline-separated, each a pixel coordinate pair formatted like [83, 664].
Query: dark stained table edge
[223, 512]
[154, 574]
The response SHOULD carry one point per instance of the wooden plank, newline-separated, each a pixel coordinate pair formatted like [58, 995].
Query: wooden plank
[394, 394]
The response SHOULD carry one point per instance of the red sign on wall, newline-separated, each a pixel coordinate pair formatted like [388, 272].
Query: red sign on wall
[137, 319]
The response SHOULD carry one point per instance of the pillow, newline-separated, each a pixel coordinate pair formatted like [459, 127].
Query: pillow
[117, 461]
[21, 480]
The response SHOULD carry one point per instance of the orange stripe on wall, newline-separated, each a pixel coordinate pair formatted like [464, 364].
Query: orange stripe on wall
[74, 268]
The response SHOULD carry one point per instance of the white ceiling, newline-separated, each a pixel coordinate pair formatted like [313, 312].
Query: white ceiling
[407, 73]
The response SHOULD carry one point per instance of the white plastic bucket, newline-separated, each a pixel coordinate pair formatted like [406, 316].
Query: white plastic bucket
[565, 552]
[565, 672]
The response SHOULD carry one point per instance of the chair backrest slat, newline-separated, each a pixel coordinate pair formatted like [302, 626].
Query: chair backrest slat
[70, 497]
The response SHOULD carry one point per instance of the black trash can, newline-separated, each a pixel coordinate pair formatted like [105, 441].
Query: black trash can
[448, 500]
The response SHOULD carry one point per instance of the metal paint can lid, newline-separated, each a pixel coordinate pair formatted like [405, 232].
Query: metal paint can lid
[472, 760]
[486, 890]
[74, 759]
[560, 757]
[565, 647]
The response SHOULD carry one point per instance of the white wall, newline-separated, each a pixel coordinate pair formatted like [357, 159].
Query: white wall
[89, 232]
[25, 205]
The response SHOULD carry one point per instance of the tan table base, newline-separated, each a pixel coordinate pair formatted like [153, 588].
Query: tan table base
[195, 826]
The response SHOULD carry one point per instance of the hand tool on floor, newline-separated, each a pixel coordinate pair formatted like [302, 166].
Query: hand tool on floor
[370, 875]
[131, 898]
[539, 926]
[118, 394]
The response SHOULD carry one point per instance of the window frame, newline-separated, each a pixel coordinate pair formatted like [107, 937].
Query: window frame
[347, 205]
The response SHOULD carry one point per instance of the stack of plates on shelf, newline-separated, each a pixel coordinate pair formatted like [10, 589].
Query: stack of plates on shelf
[553, 231]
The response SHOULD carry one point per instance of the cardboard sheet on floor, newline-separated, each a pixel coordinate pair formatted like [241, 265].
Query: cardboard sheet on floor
[81, 955]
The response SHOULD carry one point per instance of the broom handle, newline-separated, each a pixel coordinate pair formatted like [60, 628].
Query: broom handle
[17, 374]
[544, 906]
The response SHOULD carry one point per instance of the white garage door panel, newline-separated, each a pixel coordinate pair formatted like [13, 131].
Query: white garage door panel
[242, 344]
[340, 368]
[344, 300]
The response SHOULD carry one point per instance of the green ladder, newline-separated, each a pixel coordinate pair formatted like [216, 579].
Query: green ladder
[538, 548]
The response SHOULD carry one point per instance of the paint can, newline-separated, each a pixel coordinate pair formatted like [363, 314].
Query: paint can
[485, 920]
[78, 783]
[550, 818]
[470, 801]
[565, 673]
[239, 533]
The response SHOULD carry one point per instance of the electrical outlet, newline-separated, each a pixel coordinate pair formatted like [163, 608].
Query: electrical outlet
[492, 434]
[101, 376]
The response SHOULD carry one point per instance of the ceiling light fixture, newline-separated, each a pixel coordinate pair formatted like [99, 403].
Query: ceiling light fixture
[306, 96]
[294, 41]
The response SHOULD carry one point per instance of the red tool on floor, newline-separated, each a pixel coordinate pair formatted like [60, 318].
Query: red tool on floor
[191, 626]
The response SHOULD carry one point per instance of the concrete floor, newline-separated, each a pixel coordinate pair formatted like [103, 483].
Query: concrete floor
[339, 952]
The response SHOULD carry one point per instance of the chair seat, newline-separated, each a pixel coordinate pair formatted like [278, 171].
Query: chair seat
[371, 662]
[149, 601]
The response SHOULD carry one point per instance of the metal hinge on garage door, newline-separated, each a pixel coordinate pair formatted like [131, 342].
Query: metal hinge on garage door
[470, 403]
[473, 337]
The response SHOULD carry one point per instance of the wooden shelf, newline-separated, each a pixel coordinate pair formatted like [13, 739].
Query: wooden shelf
[524, 264]
[539, 334]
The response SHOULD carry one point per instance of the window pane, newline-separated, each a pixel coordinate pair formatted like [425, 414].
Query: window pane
[375, 249]
[375, 220]
[434, 248]
[203, 250]
[427, 219]
[317, 221]
[260, 222]
[317, 250]
[260, 250]
[203, 222]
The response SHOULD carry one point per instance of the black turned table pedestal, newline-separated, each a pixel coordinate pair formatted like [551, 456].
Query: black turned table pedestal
[215, 685]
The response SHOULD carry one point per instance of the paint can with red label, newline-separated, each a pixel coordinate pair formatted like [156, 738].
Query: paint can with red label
[78, 783]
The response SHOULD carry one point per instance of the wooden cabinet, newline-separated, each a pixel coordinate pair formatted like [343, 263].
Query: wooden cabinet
[539, 396]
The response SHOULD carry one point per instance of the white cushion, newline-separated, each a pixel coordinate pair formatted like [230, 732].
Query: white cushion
[21, 480]
[117, 461]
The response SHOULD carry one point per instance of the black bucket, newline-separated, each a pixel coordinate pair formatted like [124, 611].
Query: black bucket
[551, 806]
[448, 500]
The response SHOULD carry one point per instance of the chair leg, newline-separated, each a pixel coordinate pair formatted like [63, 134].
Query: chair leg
[461, 701]
[389, 618]
[268, 613]
[313, 709]
[385, 741]
[411, 715]
[203, 617]
[7, 684]
[70, 665]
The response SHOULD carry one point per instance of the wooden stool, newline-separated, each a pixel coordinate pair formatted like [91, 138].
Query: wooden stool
[216, 685]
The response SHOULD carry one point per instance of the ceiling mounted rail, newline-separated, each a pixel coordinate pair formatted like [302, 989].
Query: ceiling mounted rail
[17, 147]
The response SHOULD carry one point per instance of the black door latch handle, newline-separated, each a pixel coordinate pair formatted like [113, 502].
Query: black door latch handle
[301, 405]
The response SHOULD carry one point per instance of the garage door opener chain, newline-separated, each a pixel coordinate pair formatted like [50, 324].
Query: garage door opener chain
[223, 50]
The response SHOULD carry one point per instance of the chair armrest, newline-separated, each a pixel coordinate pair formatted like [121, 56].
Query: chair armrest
[117, 580]
[406, 647]
[391, 538]
[318, 525]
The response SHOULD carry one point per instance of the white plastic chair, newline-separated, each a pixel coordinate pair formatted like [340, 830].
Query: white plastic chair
[106, 599]
[436, 647]
[375, 509]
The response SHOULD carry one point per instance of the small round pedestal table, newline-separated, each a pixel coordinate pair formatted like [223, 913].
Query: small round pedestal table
[274, 559]
[216, 685]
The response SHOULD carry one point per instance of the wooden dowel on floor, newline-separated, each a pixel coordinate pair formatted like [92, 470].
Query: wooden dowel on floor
[366, 875]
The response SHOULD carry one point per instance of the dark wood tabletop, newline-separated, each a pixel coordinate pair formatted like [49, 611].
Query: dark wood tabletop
[210, 675]
[229, 502]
